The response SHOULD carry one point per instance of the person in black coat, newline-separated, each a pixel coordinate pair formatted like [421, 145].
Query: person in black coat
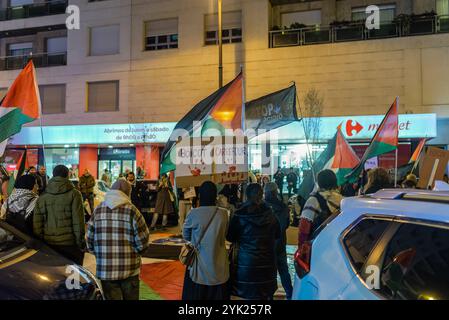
[253, 231]
[281, 212]
[136, 198]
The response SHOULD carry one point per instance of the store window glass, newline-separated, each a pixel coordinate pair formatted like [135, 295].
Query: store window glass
[65, 156]
[443, 7]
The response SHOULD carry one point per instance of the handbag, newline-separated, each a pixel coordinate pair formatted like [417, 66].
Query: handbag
[189, 251]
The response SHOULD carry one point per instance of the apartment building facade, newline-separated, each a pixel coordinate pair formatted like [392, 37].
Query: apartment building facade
[114, 89]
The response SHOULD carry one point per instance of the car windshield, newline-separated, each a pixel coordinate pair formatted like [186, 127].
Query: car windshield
[8, 241]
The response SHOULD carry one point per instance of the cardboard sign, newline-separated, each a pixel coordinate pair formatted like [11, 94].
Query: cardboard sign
[433, 167]
[221, 160]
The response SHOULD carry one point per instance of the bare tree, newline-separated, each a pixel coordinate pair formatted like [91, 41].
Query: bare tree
[311, 111]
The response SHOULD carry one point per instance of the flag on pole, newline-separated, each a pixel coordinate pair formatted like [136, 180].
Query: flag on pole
[20, 169]
[344, 158]
[385, 140]
[20, 105]
[418, 151]
[338, 156]
[273, 110]
[221, 110]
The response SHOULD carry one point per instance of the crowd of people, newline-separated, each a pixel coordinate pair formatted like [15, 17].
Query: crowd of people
[254, 227]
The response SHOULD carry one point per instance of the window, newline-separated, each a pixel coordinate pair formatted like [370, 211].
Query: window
[104, 40]
[309, 18]
[56, 45]
[53, 98]
[231, 30]
[103, 96]
[387, 13]
[416, 264]
[17, 3]
[3, 92]
[20, 49]
[443, 7]
[161, 34]
[360, 241]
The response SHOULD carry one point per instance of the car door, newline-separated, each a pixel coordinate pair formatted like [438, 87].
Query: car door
[411, 262]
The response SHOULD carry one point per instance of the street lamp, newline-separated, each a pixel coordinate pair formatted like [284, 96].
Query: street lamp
[220, 43]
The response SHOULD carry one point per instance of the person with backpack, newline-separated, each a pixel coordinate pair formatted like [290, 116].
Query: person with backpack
[19, 207]
[205, 228]
[320, 206]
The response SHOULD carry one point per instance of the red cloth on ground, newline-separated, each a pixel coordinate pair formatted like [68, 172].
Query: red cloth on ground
[165, 278]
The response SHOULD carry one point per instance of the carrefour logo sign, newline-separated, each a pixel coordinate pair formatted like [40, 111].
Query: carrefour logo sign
[364, 127]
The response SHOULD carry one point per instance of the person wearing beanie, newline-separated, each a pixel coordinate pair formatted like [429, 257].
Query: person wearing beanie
[205, 227]
[18, 208]
[318, 208]
[117, 235]
[59, 216]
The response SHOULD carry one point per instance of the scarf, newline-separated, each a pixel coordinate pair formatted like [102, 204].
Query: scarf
[20, 200]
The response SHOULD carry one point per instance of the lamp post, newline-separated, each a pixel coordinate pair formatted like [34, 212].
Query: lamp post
[220, 43]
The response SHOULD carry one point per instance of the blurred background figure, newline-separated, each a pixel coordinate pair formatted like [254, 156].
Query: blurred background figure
[378, 179]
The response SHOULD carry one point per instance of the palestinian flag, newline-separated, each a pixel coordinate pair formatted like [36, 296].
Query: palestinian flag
[220, 111]
[20, 105]
[20, 169]
[418, 151]
[385, 140]
[344, 158]
[338, 156]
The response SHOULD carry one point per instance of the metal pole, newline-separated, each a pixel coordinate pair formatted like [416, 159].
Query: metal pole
[220, 43]
[396, 168]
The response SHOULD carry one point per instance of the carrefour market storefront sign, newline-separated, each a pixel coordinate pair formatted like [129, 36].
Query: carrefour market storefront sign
[96, 134]
[411, 126]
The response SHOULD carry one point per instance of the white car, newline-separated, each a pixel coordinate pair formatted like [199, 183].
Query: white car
[390, 245]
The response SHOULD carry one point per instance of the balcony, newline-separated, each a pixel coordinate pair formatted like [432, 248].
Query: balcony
[41, 60]
[357, 31]
[34, 10]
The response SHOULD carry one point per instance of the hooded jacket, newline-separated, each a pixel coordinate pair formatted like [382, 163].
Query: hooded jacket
[253, 231]
[59, 214]
[117, 235]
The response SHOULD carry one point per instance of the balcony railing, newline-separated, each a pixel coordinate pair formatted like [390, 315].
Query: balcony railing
[34, 10]
[40, 60]
[357, 32]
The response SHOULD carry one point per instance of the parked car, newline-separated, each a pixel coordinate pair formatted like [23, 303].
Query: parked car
[30, 270]
[390, 245]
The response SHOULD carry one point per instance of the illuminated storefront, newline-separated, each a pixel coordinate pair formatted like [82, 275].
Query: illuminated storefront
[288, 145]
[116, 147]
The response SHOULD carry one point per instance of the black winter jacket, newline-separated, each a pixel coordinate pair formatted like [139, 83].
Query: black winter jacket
[253, 230]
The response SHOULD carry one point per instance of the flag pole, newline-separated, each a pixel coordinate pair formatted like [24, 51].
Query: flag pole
[40, 114]
[308, 155]
[396, 154]
[396, 169]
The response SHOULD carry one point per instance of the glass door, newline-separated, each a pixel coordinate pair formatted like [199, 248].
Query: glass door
[128, 166]
[116, 169]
